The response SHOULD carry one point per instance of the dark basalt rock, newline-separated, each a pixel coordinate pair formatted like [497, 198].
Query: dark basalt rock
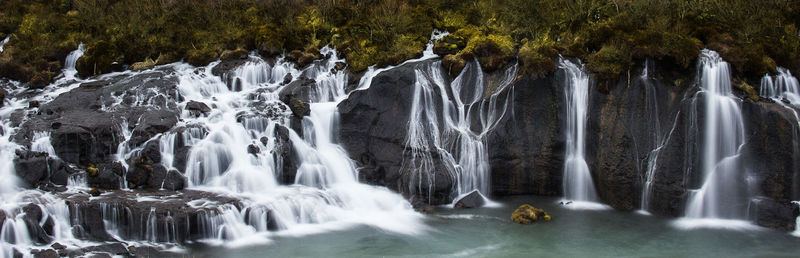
[48, 253]
[181, 148]
[3, 94]
[37, 168]
[85, 122]
[253, 149]
[197, 108]
[86, 137]
[373, 130]
[285, 154]
[33, 217]
[779, 214]
[134, 208]
[31, 167]
[526, 149]
[296, 95]
[471, 200]
[174, 181]
[625, 123]
[2, 217]
[112, 248]
[152, 122]
[109, 176]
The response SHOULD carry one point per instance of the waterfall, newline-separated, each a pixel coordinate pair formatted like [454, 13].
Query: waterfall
[326, 190]
[3, 42]
[722, 197]
[651, 107]
[325, 196]
[69, 70]
[784, 89]
[578, 185]
[455, 134]
[782, 86]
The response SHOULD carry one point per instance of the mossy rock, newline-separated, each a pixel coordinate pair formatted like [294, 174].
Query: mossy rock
[238, 53]
[527, 214]
[537, 58]
[449, 45]
[144, 65]
[97, 59]
[749, 92]
[167, 58]
[609, 62]
[92, 170]
[95, 192]
[302, 59]
[201, 57]
[493, 51]
[40, 80]
[453, 64]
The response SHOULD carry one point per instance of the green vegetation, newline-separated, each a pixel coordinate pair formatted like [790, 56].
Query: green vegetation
[610, 36]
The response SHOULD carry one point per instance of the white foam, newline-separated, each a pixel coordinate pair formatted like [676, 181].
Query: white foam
[583, 205]
[726, 224]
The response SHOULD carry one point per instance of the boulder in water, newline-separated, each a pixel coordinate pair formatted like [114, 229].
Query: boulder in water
[152, 122]
[253, 149]
[174, 181]
[37, 168]
[48, 253]
[197, 108]
[473, 199]
[3, 94]
[527, 214]
[108, 176]
[31, 167]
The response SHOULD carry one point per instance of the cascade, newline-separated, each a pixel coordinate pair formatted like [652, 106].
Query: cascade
[780, 87]
[722, 197]
[3, 42]
[652, 159]
[578, 184]
[784, 89]
[69, 70]
[453, 135]
[326, 194]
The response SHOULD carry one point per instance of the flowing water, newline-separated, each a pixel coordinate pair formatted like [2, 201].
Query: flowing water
[490, 233]
[722, 194]
[780, 87]
[450, 120]
[578, 184]
[784, 89]
[3, 42]
[448, 126]
[326, 194]
[69, 70]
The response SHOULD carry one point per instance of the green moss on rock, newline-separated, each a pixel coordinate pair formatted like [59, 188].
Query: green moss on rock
[201, 57]
[537, 57]
[527, 214]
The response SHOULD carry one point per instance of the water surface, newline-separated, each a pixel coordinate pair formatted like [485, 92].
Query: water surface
[489, 232]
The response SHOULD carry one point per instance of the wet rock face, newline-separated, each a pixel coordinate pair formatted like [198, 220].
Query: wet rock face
[197, 108]
[156, 216]
[109, 176]
[296, 96]
[780, 214]
[373, 130]
[526, 150]
[85, 123]
[151, 123]
[285, 153]
[38, 168]
[625, 124]
[471, 200]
